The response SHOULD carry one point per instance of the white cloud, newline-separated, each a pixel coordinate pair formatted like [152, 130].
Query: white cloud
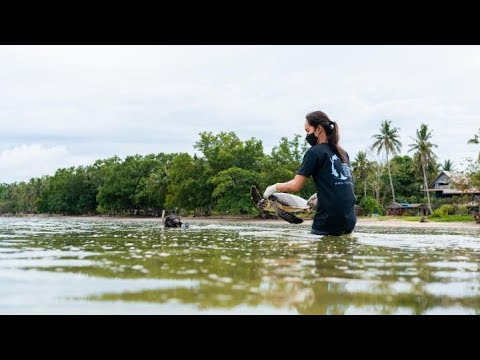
[24, 162]
[100, 101]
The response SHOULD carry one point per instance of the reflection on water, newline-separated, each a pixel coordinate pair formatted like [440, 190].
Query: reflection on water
[81, 266]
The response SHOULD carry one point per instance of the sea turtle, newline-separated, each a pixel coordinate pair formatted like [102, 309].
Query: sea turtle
[283, 204]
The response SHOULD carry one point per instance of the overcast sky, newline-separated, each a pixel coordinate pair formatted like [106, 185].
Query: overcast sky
[63, 106]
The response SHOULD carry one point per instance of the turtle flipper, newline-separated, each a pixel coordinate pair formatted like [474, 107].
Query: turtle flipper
[256, 197]
[282, 214]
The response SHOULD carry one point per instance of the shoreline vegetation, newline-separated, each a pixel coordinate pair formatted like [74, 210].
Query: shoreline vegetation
[380, 221]
[218, 181]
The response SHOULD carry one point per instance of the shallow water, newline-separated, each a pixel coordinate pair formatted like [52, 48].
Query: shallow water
[85, 266]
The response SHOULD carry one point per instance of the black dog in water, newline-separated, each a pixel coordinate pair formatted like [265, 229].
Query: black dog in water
[173, 221]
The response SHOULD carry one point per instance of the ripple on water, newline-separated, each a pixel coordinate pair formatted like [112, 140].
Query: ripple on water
[210, 268]
[419, 242]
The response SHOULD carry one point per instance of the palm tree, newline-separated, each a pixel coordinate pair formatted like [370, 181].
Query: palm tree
[361, 169]
[387, 140]
[447, 165]
[424, 154]
[475, 140]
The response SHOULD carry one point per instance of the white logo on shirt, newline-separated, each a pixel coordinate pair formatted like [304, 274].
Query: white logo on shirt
[345, 169]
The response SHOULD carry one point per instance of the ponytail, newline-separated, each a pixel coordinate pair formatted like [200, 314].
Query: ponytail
[319, 118]
[333, 137]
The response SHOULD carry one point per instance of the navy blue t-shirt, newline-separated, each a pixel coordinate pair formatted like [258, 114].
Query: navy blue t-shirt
[333, 179]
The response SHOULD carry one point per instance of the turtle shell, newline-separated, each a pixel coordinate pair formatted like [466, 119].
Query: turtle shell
[289, 202]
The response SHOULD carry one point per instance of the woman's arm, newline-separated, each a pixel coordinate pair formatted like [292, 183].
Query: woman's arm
[294, 185]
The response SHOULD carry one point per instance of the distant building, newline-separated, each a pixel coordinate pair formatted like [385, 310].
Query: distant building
[448, 184]
[404, 208]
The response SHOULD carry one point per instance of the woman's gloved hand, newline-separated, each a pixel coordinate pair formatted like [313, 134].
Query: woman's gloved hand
[270, 191]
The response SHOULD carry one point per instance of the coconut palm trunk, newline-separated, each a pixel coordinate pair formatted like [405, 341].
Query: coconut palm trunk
[390, 177]
[377, 183]
[425, 184]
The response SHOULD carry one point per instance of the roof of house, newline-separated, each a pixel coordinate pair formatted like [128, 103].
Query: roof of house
[457, 178]
[456, 191]
[404, 206]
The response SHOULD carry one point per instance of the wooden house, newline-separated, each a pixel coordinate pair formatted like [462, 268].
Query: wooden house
[409, 209]
[449, 184]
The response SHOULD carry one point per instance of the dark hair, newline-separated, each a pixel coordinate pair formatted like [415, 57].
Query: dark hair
[319, 118]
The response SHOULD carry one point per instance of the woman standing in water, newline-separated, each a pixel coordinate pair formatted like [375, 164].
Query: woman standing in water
[329, 165]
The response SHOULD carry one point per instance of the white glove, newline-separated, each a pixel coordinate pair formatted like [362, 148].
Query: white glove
[270, 191]
[312, 200]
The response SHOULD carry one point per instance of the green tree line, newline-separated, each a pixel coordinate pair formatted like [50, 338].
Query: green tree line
[218, 180]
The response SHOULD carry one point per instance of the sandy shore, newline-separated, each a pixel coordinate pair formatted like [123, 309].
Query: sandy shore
[367, 222]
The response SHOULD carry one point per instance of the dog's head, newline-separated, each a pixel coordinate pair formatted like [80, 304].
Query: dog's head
[172, 221]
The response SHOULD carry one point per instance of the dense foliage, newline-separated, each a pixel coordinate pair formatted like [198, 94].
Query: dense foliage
[216, 181]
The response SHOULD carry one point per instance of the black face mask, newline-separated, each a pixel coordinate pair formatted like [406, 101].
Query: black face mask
[312, 139]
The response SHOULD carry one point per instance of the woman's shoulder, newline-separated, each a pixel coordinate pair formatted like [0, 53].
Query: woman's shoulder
[319, 151]
[321, 148]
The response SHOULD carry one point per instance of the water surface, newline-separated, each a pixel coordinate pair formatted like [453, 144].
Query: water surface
[109, 266]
